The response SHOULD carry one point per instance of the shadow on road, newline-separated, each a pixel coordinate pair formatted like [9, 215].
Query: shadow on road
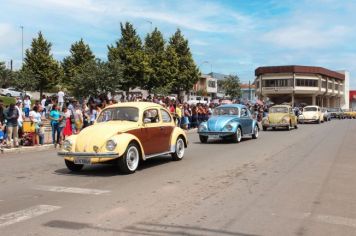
[107, 170]
[143, 228]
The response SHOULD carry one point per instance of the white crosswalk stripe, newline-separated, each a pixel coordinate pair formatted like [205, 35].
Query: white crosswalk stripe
[61, 189]
[26, 214]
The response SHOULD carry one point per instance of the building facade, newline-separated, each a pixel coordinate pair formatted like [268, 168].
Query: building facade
[248, 92]
[353, 100]
[303, 85]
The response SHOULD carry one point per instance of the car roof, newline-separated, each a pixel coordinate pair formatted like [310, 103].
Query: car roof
[311, 106]
[139, 105]
[233, 105]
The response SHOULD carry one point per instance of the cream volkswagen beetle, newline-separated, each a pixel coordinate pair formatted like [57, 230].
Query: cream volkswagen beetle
[125, 134]
[311, 114]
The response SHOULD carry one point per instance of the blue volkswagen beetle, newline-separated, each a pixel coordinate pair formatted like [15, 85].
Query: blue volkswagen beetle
[232, 121]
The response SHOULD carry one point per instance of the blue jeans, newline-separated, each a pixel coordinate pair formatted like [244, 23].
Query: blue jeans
[56, 128]
[27, 111]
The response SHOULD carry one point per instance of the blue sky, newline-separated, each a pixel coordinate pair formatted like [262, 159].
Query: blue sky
[233, 36]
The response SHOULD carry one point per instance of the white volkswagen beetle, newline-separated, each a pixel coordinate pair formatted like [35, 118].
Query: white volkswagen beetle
[311, 114]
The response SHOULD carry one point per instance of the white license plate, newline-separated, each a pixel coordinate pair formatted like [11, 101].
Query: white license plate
[79, 160]
[214, 136]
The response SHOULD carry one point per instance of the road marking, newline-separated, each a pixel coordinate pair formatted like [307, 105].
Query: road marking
[61, 189]
[337, 220]
[22, 215]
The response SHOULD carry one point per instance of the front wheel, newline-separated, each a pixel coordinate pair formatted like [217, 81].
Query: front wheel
[295, 126]
[237, 136]
[8, 95]
[128, 163]
[179, 150]
[73, 167]
[255, 133]
[203, 139]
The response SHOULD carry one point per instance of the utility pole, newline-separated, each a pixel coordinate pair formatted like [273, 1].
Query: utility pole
[22, 41]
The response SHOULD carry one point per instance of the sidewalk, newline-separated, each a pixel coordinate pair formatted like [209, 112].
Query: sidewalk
[24, 149]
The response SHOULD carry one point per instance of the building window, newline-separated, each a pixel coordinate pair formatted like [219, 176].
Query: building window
[323, 84]
[211, 84]
[336, 86]
[277, 83]
[307, 82]
[257, 84]
[330, 86]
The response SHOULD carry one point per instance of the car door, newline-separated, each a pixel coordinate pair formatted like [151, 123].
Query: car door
[246, 120]
[166, 129]
[152, 132]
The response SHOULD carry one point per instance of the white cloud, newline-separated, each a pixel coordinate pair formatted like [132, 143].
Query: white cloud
[8, 35]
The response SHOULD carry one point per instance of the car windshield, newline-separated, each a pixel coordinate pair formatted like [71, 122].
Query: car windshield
[333, 109]
[226, 111]
[119, 113]
[278, 110]
[310, 109]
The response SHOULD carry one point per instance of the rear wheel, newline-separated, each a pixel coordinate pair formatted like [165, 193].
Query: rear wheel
[237, 136]
[255, 133]
[179, 150]
[203, 139]
[8, 95]
[73, 167]
[296, 126]
[264, 128]
[128, 163]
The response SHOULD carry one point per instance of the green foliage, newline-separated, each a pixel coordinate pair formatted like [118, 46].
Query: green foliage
[40, 66]
[156, 74]
[231, 86]
[80, 56]
[188, 72]
[129, 53]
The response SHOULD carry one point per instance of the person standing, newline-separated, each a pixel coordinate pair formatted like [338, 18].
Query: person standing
[35, 117]
[12, 115]
[78, 117]
[60, 96]
[55, 119]
[67, 131]
[43, 104]
[2, 110]
[21, 118]
[27, 105]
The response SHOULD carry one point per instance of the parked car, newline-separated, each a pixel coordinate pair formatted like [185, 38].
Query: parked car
[337, 113]
[280, 116]
[311, 114]
[125, 134]
[12, 92]
[230, 121]
[326, 114]
[350, 114]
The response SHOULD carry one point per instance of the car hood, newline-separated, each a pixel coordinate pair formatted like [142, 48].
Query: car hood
[276, 117]
[217, 123]
[98, 134]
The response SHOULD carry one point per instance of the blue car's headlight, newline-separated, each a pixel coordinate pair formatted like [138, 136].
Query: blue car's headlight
[203, 127]
[229, 126]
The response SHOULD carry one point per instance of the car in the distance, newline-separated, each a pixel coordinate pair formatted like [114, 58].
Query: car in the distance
[311, 114]
[12, 92]
[326, 114]
[126, 134]
[280, 116]
[336, 113]
[230, 121]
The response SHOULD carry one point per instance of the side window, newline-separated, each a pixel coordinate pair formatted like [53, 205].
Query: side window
[151, 116]
[244, 112]
[165, 116]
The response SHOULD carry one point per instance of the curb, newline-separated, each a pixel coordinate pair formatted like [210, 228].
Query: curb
[27, 149]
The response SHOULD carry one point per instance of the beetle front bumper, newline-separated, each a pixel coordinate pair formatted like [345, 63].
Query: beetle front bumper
[89, 154]
[217, 133]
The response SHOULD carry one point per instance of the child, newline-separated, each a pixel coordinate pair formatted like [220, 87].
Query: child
[41, 132]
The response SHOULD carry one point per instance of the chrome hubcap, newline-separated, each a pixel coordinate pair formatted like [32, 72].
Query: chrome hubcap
[132, 158]
[180, 148]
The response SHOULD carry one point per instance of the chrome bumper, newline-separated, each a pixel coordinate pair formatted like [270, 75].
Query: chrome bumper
[89, 154]
[222, 134]
[275, 125]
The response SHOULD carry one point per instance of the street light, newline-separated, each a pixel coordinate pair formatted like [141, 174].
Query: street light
[22, 41]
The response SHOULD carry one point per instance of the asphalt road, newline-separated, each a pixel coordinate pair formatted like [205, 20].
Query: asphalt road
[300, 182]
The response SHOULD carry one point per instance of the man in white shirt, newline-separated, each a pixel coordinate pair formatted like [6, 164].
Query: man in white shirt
[27, 105]
[60, 96]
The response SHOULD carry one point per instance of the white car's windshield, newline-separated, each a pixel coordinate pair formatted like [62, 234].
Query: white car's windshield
[225, 111]
[310, 109]
[278, 110]
[119, 113]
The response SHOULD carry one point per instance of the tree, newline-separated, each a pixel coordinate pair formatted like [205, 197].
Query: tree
[188, 72]
[81, 56]
[156, 74]
[129, 53]
[40, 66]
[231, 86]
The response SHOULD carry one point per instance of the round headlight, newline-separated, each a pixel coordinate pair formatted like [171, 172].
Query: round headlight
[228, 127]
[202, 128]
[110, 145]
[67, 145]
[285, 120]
